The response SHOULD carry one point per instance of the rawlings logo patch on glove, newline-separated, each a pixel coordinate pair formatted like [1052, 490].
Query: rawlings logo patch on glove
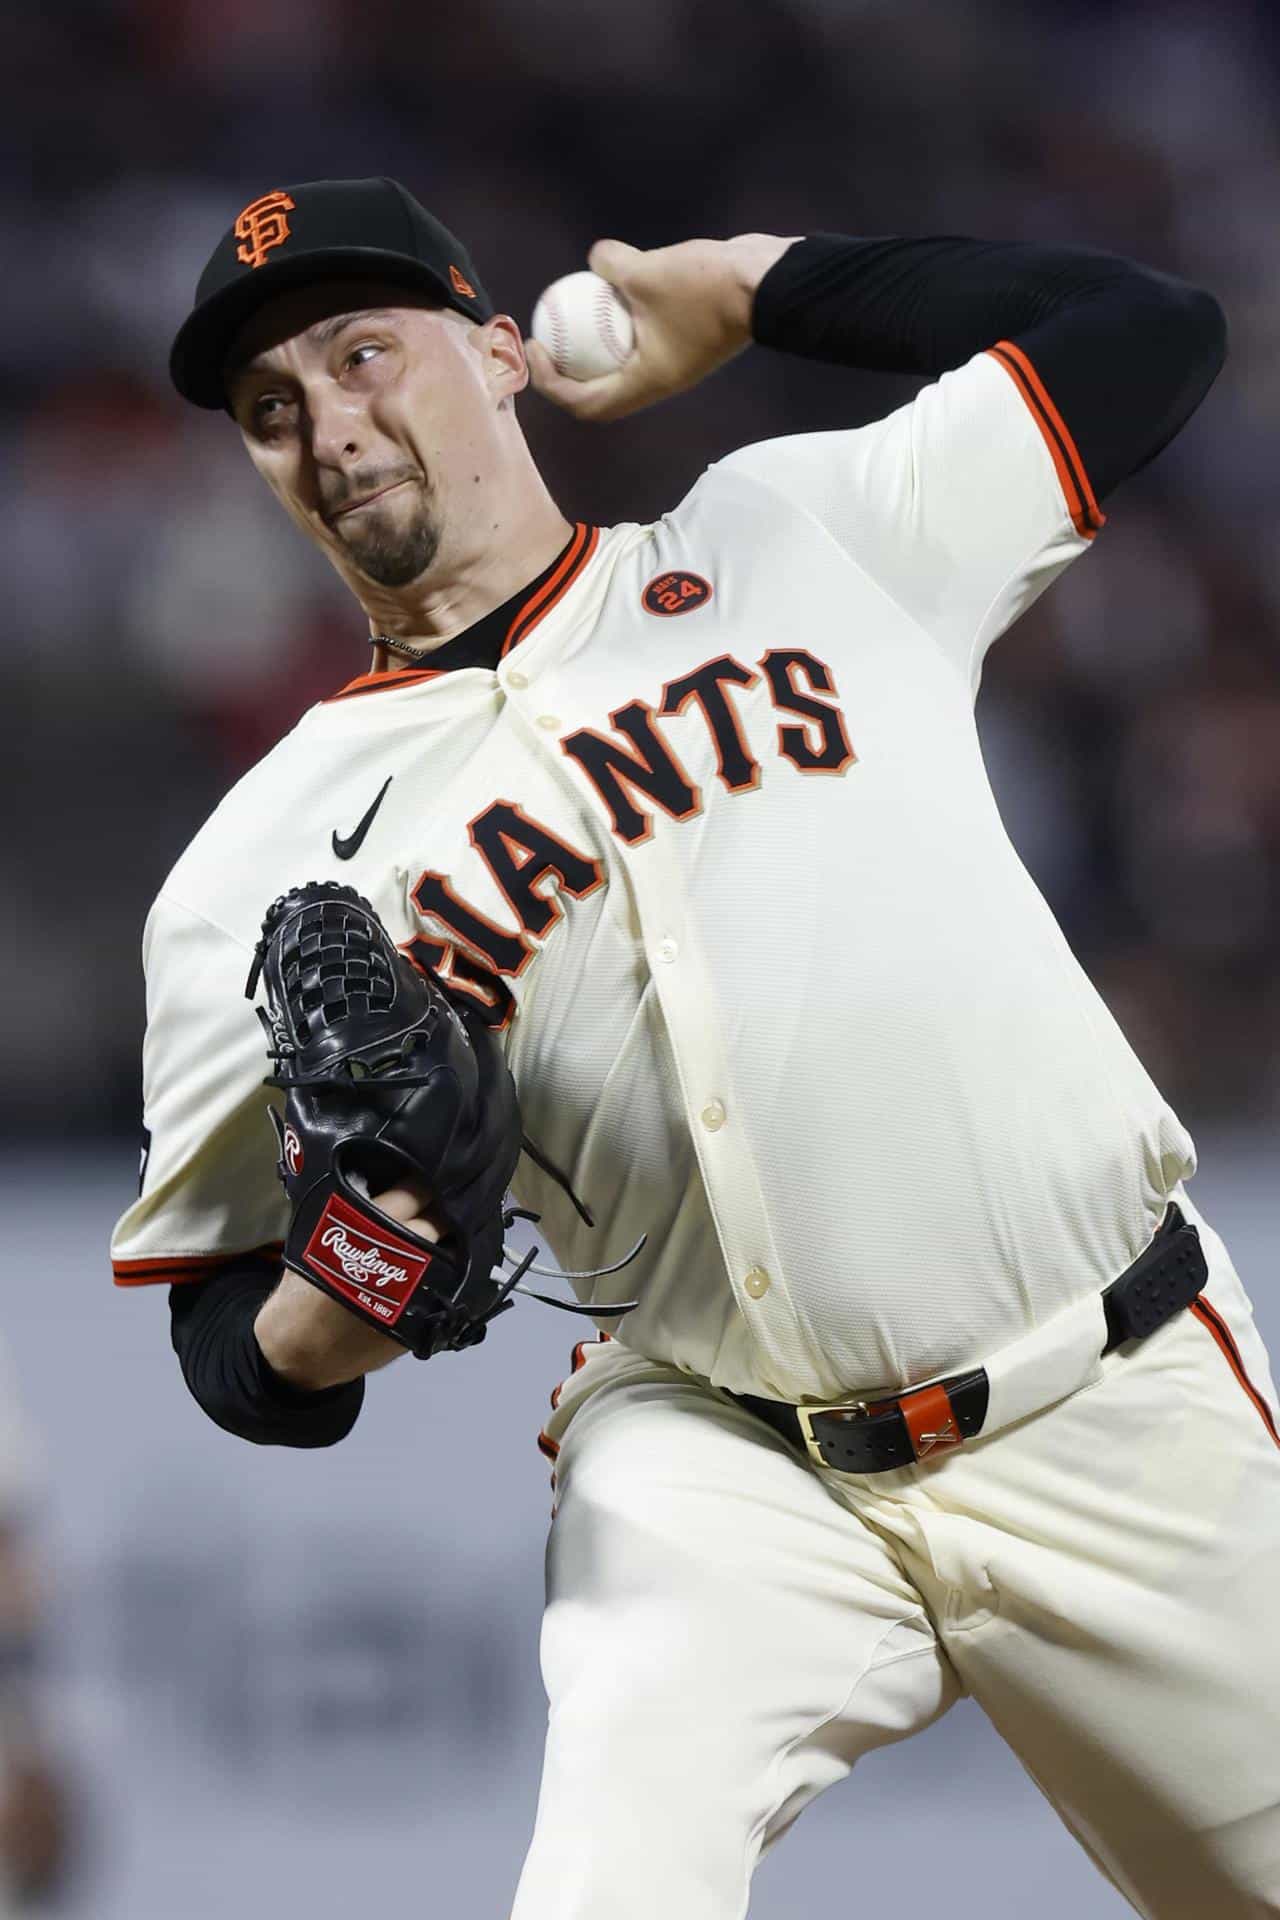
[377, 1270]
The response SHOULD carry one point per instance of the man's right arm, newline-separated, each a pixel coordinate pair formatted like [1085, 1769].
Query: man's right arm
[272, 1359]
[266, 1355]
[228, 1374]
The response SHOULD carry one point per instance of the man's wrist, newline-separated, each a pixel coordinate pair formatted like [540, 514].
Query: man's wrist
[300, 1339]
[748, 257]
[311, 1343]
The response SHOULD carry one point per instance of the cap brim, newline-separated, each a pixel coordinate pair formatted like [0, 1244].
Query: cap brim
[199, 355]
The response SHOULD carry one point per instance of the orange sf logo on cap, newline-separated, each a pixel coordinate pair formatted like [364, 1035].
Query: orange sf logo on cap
[460, 285]
[263, 224]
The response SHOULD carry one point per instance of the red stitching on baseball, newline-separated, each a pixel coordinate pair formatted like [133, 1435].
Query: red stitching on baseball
[558, 340]
[605, 297]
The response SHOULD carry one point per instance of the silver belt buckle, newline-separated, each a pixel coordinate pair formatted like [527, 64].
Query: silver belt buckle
[857, 1411]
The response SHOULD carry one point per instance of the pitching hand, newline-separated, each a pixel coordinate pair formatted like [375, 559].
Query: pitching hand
[691, 305]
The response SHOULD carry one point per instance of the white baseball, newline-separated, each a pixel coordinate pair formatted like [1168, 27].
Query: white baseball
[585, 325]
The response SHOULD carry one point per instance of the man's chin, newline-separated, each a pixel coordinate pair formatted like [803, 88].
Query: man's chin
[392, 561]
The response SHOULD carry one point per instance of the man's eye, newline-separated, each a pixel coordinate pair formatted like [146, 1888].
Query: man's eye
[269, 406]
[356, 356]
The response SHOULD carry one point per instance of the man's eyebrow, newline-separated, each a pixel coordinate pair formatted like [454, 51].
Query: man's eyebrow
[324, 330]
[321, 333]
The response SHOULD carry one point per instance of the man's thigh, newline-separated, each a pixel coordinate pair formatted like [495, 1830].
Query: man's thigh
[1104, 1578]
[722, 1640]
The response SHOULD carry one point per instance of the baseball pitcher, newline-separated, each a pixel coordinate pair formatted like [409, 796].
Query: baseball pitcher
[648, 882]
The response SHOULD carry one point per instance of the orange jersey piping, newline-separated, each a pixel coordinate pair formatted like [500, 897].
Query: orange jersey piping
[583, 545]
[546, 1444]
[1209, 1317]
[179, 1267]
[379, 682]
[1086, 515]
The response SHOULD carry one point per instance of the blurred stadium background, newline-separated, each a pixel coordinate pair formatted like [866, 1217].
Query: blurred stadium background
[295, 1681]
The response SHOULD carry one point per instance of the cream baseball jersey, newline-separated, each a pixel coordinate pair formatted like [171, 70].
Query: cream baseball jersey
[714, 848]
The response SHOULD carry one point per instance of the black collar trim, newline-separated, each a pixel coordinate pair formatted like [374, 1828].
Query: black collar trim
[489, 639]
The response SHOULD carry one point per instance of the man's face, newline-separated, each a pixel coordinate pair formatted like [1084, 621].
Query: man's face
[367, 410]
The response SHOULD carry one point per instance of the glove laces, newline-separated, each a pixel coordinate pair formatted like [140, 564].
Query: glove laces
[528, 1262]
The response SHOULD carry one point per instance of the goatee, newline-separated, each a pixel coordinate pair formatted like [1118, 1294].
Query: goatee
[389, 552]
[393, 556]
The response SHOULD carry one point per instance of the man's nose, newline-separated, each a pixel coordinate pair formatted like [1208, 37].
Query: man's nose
[335, 438]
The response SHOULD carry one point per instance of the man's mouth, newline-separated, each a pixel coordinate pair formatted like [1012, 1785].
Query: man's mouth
[366, 499]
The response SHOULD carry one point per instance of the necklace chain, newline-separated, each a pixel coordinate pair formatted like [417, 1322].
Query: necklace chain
[405, 647]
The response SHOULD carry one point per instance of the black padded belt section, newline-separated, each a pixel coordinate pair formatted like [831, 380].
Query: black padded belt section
[881, 1435]
[1161, 1282]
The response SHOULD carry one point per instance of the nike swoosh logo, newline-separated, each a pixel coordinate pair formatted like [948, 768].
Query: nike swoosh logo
[348, 848]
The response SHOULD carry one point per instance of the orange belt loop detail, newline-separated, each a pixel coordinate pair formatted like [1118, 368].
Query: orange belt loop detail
[931, 1421]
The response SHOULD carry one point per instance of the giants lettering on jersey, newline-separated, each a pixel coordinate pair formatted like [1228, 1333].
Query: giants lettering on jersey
[634, 775]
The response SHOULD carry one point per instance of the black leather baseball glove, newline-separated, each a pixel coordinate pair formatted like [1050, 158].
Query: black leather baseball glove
[387, 1080]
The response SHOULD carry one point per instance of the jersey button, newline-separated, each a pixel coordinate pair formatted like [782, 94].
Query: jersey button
[517, 680]
[549, 722]
[667, 950]
[713, 1116]
[757, 1283]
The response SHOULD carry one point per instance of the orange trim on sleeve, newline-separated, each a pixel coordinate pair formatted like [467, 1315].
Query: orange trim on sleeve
[1086, 515]
[1209, 1317]
[175, 1268]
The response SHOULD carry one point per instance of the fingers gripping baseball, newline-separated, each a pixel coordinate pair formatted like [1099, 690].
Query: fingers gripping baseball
[690, 315]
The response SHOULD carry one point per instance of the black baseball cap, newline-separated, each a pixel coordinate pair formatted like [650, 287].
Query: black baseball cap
[322, 230]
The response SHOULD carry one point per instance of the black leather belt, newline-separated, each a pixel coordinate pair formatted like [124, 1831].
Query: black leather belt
[872, 1438]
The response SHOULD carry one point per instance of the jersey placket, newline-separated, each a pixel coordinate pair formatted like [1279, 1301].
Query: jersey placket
[690, 1009]
[548, 708]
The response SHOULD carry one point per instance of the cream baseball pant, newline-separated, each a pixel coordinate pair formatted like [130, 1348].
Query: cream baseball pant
[728, 1629]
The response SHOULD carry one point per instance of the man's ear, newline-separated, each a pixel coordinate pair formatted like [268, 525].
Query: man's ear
[501, 343]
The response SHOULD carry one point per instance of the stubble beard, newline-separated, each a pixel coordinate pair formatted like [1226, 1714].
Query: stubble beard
[390, 552]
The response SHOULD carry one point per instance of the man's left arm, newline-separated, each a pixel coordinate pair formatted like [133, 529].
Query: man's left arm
[1055, 374]
[1121, 353]
[1127, 353]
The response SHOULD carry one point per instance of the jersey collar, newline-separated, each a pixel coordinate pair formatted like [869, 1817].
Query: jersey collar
[489, 639]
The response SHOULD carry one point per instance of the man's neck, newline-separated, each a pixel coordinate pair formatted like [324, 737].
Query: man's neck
[445, 603]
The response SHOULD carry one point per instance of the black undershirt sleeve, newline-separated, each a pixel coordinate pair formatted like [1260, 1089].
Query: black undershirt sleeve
[1126, 353]
[222, 1364]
